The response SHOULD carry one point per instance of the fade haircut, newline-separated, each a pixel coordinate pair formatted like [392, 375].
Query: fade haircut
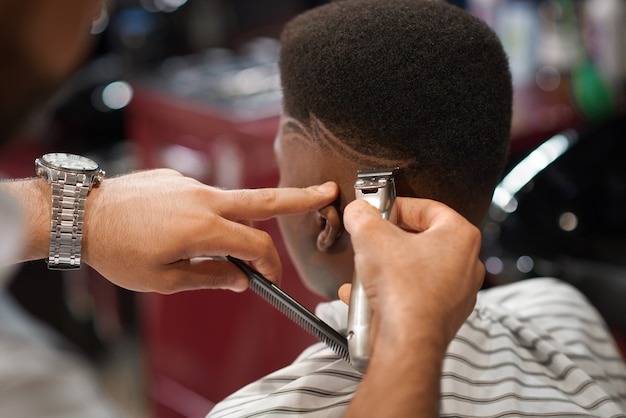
[415, 79]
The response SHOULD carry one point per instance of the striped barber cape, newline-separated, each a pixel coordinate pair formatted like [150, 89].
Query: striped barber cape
[531, 348]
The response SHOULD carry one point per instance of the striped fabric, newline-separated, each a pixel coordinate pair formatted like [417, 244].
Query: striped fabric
[532, 348]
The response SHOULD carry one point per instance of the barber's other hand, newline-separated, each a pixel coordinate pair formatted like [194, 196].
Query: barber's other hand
[149, 231]
[423, 275]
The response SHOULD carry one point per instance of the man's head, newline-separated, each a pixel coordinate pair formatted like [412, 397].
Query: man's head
[367, 83]
[41, 43]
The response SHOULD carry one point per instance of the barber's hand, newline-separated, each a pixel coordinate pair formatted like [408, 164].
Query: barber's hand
[424, 276]
[421, 280]
[148, 231]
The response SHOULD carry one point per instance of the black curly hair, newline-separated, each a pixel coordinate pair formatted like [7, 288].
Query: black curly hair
[413, 79]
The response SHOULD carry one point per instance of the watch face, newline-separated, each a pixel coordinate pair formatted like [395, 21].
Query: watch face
[70, 161]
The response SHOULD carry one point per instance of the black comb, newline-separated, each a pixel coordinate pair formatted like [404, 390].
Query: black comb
[294, 310]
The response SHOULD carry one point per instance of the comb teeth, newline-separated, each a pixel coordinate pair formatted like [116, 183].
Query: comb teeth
[294, 310]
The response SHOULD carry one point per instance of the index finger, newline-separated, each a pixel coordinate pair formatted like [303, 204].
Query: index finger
[418, 215]
[260, 204]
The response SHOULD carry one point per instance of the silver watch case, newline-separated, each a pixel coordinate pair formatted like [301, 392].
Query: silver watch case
[71, 177]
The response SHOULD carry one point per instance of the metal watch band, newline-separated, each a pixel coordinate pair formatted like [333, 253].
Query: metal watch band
[69, 194]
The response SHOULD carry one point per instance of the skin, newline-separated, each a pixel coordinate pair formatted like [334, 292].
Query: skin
[415, 316]
[169, 224]
[145, 231]
[316, 241]
[128, 217]
[44, 41]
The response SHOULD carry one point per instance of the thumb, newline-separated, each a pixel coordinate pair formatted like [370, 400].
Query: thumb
[344, 293]
[358, 214]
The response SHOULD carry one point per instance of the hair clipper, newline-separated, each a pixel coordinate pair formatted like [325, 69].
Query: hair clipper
[376, 186]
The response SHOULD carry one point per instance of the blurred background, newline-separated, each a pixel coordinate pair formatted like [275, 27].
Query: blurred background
[193, 85]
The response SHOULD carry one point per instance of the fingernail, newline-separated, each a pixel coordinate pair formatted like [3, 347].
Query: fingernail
[326, 188]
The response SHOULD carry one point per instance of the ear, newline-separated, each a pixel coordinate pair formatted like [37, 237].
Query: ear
[331, 227]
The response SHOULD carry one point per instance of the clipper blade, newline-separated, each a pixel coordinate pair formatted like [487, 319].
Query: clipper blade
[377, 187]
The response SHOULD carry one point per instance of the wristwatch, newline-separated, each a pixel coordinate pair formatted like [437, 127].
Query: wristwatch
[72, 177]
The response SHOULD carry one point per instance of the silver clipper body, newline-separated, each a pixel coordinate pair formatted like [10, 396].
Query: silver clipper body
[377, 187]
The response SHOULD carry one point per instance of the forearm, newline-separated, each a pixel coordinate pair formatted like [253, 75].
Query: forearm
[34, 198]
[415, 315]
[402, 379]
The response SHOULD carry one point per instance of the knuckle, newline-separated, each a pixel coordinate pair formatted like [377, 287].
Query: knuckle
[265, 240]
[168, 172]
[474, 233]
[470, 232]
[259, 198]
[266, 196]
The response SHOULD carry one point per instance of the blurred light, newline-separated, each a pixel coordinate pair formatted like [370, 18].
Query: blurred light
[525, 264]
[548, 78]
[99, 24]
[187, 161]
[568, 221]
[167, 6]
[528, 168]
[494, 265]
[175, 4]
[117, 95]
[133, 26]
[491, 230]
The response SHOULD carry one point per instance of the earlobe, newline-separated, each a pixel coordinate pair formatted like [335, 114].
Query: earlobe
[331, 227]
